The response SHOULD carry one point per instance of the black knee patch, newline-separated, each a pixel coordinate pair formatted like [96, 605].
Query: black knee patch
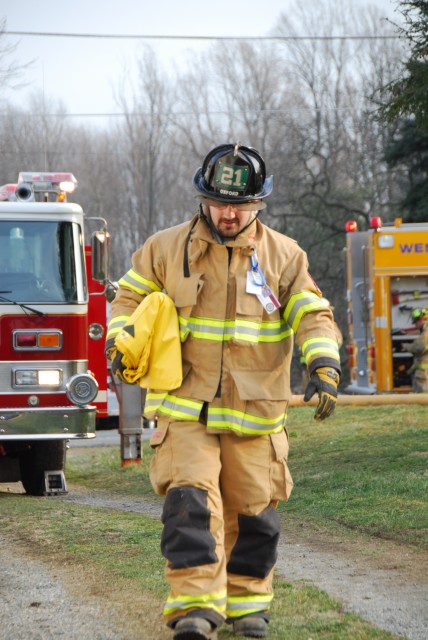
[186, 537]
[255, 551]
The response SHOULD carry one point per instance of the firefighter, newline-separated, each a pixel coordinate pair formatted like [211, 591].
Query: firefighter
[419, 348]
[241, 291]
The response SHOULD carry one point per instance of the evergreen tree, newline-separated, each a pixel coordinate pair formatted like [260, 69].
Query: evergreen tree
[409, 94]
[410, 149]
[408, 102]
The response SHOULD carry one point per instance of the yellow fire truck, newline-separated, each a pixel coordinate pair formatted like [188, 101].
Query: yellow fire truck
[387, 277]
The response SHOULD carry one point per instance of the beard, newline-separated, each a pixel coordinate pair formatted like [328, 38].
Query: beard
[228, 228]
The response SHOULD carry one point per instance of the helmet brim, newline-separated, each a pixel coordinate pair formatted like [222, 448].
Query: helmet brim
[252, 205]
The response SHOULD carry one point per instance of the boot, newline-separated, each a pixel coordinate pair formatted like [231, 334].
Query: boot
[251, 627]
[194, 629]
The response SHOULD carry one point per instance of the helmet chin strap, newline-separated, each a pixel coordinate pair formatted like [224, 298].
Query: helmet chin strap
[218, 237]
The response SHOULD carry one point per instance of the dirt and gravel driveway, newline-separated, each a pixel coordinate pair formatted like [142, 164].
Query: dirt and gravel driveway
[385, 583]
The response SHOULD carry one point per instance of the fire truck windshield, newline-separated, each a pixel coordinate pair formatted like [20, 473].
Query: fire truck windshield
[42, 261]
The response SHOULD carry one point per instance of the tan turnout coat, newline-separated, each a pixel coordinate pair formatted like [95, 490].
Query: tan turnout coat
[236, 357]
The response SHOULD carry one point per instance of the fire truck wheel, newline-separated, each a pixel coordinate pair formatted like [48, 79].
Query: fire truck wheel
[38, 458]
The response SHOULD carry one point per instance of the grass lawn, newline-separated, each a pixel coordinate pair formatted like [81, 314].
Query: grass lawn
[365, 470]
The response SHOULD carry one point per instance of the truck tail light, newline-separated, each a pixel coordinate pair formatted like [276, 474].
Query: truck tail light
[23, 340]
[45, 340]
[49, 340]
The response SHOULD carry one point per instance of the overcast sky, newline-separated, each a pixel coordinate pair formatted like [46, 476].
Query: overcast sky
[84, 72]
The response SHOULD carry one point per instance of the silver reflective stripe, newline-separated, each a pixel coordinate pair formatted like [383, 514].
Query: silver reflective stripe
[186, 601]
[171, 407]
[137, 283]
[249, 604]
[326, 347]
[301, 303]
[117, 323]
[318, 343]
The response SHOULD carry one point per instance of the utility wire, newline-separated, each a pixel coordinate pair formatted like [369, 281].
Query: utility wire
[169, 114]
[113, 36]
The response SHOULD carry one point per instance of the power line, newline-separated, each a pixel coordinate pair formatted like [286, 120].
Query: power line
[113, 36]
[169, 114]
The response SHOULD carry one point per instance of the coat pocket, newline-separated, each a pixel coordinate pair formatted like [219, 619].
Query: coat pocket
[185, 298]
[281, 480]
[161, 462]
[261, 385]
[187, 291]
[247, 304]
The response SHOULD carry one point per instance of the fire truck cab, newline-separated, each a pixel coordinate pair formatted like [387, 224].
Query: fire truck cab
[46, 388]
[387, 277]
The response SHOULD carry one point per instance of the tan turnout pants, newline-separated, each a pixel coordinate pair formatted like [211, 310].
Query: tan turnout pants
[221, 528]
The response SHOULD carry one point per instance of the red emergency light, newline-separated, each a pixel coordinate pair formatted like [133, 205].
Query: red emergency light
[376, 222]
[7, 191]
[351, 226]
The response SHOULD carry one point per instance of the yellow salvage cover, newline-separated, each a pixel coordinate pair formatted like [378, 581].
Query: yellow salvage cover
[150, 343]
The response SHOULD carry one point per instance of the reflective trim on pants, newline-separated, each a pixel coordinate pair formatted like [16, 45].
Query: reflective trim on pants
[239, 606]
[179, 603]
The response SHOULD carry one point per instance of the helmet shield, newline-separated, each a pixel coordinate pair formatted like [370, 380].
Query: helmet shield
[233, 173]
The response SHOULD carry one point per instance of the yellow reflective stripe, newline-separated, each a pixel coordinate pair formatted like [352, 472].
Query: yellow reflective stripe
[238, 606]
[421, 366]
[320, 346]
[115, 325]
[218, 417]
[243, 422]
[215, 601]
[225, 330]
[136, 282]
[300, 304]
[173, 406]
[202, 328]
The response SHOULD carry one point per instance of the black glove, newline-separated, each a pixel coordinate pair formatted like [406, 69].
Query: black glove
[323, 381]
[117, 366]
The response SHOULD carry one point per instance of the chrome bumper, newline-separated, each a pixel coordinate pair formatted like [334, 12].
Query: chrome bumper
[59, 423]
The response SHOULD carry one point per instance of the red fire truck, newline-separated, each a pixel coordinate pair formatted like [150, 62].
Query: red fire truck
[52, 322]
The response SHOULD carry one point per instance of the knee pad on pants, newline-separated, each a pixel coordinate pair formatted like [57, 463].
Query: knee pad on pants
[186, 537]
[255, 551]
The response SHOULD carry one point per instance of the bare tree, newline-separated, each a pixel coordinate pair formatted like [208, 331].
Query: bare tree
[145, 146]
[329, 146]
[341, 144]
[10, 70]
[32, 139]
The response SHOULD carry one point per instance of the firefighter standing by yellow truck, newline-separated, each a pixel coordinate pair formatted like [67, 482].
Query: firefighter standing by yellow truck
[419, 348]
[241, 291]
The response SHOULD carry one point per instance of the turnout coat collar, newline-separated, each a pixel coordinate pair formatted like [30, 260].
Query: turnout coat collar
[201, 237]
